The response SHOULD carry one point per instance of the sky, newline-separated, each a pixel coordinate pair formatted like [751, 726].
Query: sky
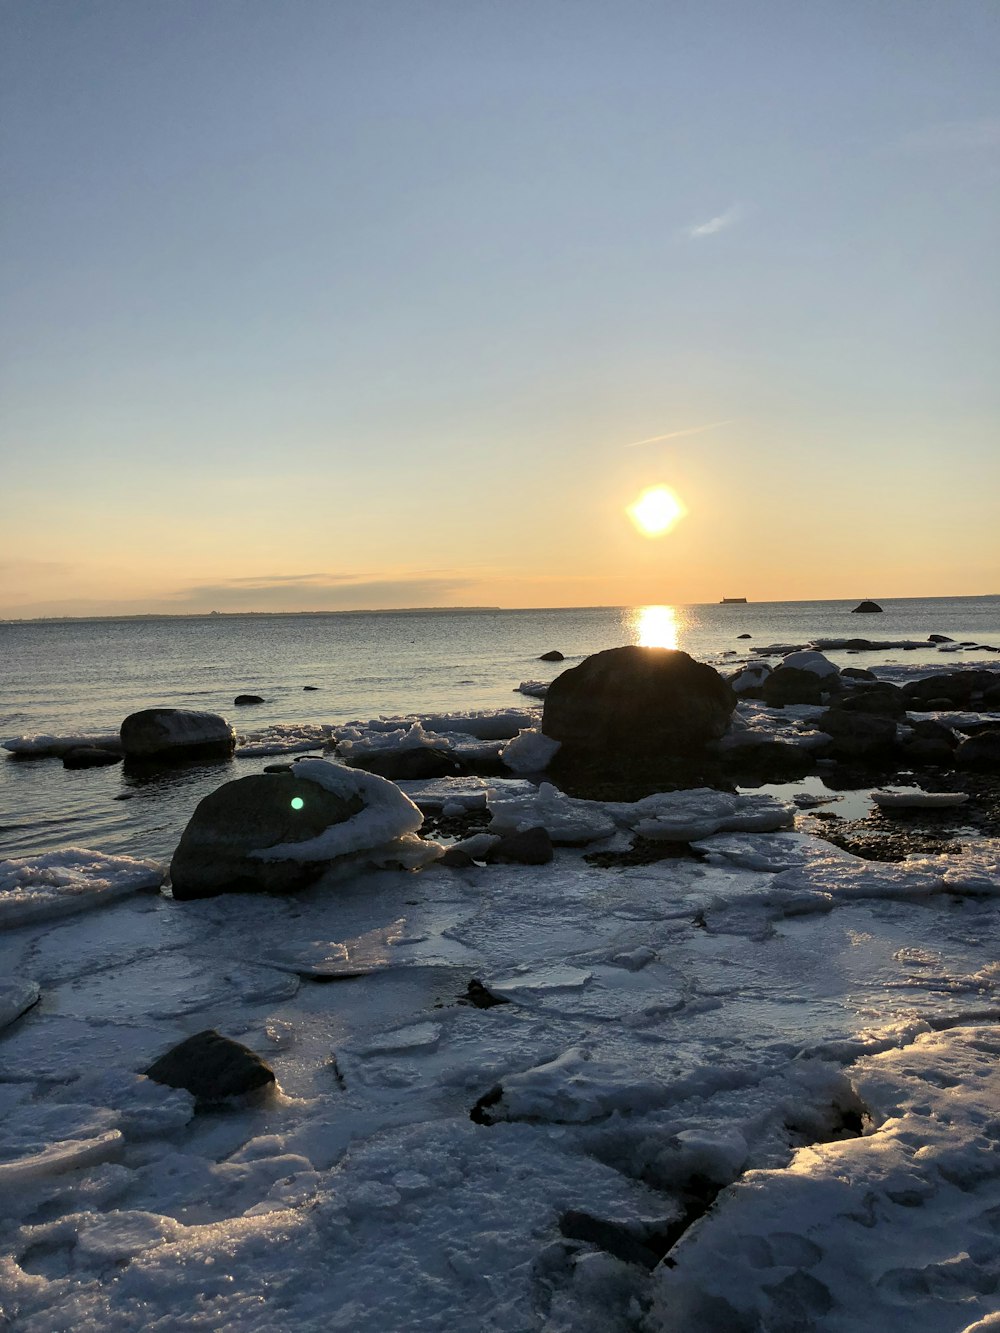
[315, 305]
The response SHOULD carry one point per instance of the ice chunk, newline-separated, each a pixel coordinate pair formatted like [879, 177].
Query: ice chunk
[915, 799]
[811, 661]
[16, 995]
[565, 820]
[282, 738]
[530, 751]
[53, 884]
[415, 1037]
[40, 745]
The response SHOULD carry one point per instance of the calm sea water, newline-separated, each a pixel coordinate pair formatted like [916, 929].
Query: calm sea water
[82, 676]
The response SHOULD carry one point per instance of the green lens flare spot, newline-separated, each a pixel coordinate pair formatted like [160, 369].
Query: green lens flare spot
[297, 802]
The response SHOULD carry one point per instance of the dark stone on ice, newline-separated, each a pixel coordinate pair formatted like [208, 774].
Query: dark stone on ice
[481, 1112]
[455, 859]
[419, 764]
[868, 607]
[242, 700]
[211, 1067]
[939, 638]
[89, 756]
[792, 685]
[857, 735]
[479, 995]
[278, 768]
[553, 655]
[980, 751]
[883, 700]
[215, 853]
[633, 702]
[528, 847]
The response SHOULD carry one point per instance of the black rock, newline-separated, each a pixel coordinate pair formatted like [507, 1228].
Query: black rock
[169, 734]
[959, 686]
[455, 859]
[882, 699]
[310, 687]
[858, 673]
[211, 1067]
[89, 756]
[939, 638]
[477, 994]
[857, 735]
[633, 702]
[744, 636]
[980, 751]
[419, 764]
[242, 700]
[553, 655]
[529, 847]
[792, 685]
[868, 607]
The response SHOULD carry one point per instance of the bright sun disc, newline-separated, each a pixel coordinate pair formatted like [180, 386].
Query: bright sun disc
[656, 511]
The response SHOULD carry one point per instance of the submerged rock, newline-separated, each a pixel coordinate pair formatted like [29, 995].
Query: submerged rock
[90, 756]
[211, 1067]
[176, 733]
[868, 607]
[632, 701]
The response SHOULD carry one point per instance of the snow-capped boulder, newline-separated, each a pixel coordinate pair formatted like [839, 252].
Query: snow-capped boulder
[751, 679]
[637, 702]
[277, 832]
[176, 733]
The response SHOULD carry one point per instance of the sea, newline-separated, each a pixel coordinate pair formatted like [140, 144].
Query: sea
[70, 677]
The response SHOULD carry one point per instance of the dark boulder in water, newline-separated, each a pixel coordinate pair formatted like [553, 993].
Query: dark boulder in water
[211, 1067]
[882, 700]
[176, 733]
[216, 851]
[868, 607]
[553, 655]
[636, 702]
[955, 687]
[419, 764]
[939, 638]
[244, 700]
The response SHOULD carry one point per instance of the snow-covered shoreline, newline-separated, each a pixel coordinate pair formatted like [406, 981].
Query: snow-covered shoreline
[673, 1032]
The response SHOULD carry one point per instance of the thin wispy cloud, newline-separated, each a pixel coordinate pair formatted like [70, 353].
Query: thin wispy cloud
[679, 434]
[714, 225]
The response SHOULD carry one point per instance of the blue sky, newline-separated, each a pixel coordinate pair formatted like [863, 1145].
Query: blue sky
[312, 304]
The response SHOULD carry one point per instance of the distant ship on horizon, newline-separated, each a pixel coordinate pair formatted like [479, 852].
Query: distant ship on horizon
[730, 601]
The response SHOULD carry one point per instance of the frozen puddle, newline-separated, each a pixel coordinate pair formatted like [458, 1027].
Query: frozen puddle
[755, 1091]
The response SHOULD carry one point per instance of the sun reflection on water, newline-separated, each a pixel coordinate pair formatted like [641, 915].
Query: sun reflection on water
[655, 626]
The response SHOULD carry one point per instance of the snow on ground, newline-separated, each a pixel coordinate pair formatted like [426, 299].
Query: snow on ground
[673, 1033]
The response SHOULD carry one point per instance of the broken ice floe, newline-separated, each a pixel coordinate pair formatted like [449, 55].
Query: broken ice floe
[33, 888]
[40, 745]
[530, 751]
[282, 738]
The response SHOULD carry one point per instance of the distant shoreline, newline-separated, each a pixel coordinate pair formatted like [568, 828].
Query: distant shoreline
[448, 610]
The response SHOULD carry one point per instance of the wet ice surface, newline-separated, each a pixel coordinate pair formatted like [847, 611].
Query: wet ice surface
[670, 1030]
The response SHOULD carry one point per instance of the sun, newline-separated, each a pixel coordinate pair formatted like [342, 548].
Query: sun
[656, 511]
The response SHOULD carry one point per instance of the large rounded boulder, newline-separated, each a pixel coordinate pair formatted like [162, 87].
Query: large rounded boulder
[176, 733]
[277, 832]
[641, 702]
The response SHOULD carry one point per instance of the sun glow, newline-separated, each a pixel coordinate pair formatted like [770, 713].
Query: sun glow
[656, 511]
[656, 627]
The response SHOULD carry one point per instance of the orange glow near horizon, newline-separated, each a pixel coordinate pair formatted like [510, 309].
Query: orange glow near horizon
[656, 511]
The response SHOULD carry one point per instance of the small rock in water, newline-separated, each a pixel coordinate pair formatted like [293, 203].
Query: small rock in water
[242, 700]
[866, 607]
[89, 756]
[744, 636]
[211, 1067]
[480, 996]
[310, 687]
[553, 655]
[939, 638]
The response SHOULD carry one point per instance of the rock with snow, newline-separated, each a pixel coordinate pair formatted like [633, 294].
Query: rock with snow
[176, 733]
[627, 703]
[213, 1068]
[751, 679]
[805, 677]
[277, 832]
